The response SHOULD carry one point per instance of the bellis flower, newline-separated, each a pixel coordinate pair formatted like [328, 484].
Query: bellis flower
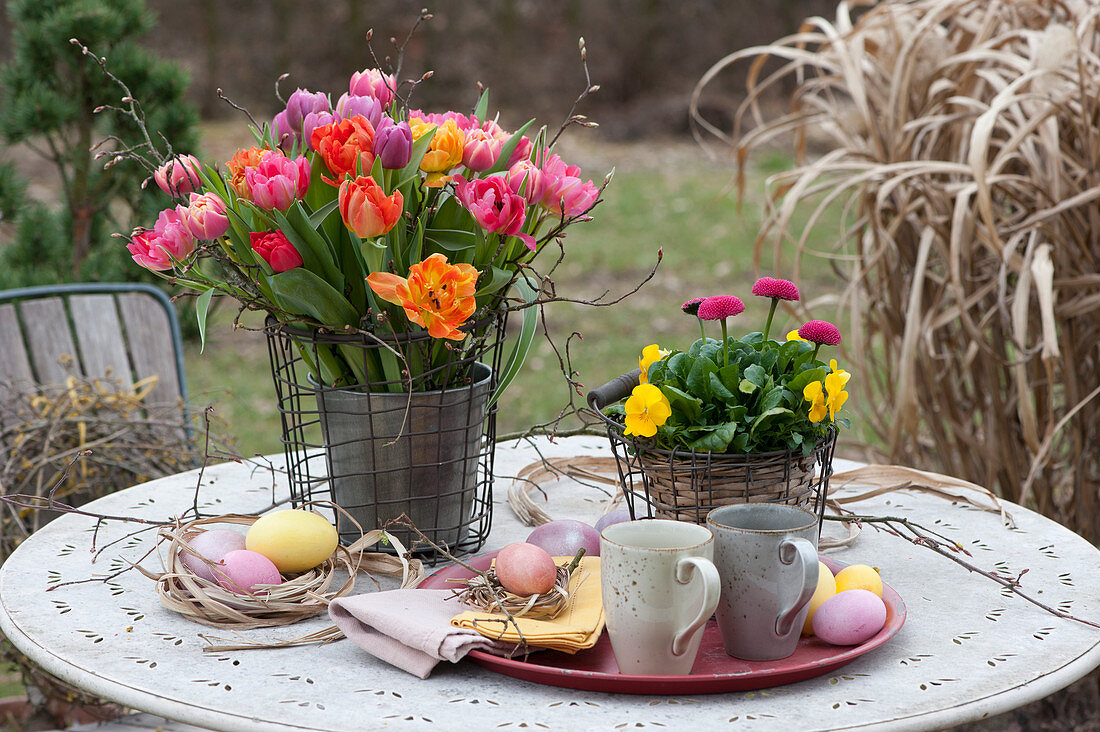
[777, 290]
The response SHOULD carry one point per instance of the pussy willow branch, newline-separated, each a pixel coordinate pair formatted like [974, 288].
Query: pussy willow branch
[945, 547]
[132, 109]
[573, 118]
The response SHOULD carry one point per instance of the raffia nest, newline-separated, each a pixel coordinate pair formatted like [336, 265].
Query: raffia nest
[299, 597]
[957, 176]
[486, 593]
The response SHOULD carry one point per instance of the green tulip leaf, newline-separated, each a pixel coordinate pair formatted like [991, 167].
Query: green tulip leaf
[302, 292]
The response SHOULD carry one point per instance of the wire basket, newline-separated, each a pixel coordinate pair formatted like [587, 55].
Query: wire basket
[382, 450]
[685, 485]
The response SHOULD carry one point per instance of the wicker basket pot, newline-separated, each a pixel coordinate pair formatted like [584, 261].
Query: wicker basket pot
[685, 485]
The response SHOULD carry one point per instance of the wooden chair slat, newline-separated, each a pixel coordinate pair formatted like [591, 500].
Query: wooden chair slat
[149, 334]
[99, 335]
[15, 367]
[49, 340]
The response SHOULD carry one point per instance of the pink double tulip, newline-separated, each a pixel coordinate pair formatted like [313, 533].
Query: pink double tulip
[526, 179]
[373, 83]
[277, 181]
[494, 206]
[366, 209]
[179, 176]
[566, 194]
[481, 150]
[275, 249]
[168, 239]
[204, 216]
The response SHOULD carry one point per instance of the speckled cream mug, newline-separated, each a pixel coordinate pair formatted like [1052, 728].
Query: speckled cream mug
[659, 587]
[766, 554]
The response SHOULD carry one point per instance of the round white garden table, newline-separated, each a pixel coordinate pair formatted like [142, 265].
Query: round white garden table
[968, 649]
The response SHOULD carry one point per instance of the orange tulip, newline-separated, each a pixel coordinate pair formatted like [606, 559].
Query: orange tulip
[242, 160]
[436, 295]
[342, 145]
[366, 209]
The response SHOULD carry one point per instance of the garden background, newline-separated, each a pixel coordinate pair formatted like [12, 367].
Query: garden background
[668, 193]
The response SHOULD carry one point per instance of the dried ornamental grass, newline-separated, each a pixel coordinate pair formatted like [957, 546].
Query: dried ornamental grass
[961, 143]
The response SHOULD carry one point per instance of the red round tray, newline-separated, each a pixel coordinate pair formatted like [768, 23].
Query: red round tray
[595, 669]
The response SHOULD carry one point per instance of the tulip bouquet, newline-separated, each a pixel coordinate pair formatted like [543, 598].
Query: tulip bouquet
[738, 395]
[368, 216]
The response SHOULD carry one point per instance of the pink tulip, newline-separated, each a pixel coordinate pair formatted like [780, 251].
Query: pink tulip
[204, 216]
[566, 194]
[373, 83]
[494, 206]
[168, 239]
[277, 181]
[481, 150]
[179, 176]
[521, 152]
[526, 179]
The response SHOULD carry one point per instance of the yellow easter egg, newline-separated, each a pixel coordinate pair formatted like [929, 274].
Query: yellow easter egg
[859, 577]
[826, 588]
[293, 540]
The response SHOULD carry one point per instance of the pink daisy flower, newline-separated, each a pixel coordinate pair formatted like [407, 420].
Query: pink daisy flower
[720, 307]
[821, 332]
[772, 287]
[691, 307]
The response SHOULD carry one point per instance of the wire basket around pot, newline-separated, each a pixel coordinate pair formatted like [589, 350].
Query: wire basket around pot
[685, 485]
[381, 449]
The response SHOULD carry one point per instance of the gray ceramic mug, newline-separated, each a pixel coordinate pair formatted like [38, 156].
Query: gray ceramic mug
[766, 554]
[659, 588]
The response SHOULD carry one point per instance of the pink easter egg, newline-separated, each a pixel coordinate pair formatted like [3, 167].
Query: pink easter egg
[849, 618]
[213, 544]
[244, 569]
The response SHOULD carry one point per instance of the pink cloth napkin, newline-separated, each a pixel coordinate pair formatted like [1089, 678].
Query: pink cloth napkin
[410, 629]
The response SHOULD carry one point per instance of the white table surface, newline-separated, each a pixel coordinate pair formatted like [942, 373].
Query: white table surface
[967, 651]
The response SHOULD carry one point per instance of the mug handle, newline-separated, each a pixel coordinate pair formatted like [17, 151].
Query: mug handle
[712, 588]
[790, 549]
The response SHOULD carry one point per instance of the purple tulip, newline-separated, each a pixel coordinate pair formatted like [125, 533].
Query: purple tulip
[348, 106]
[393, 144]
[312, 121]
[303, 102]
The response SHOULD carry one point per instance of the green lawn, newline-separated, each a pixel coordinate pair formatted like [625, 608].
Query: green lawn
[664, 196]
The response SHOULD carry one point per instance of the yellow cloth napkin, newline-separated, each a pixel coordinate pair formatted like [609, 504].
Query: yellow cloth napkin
[577, 627]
